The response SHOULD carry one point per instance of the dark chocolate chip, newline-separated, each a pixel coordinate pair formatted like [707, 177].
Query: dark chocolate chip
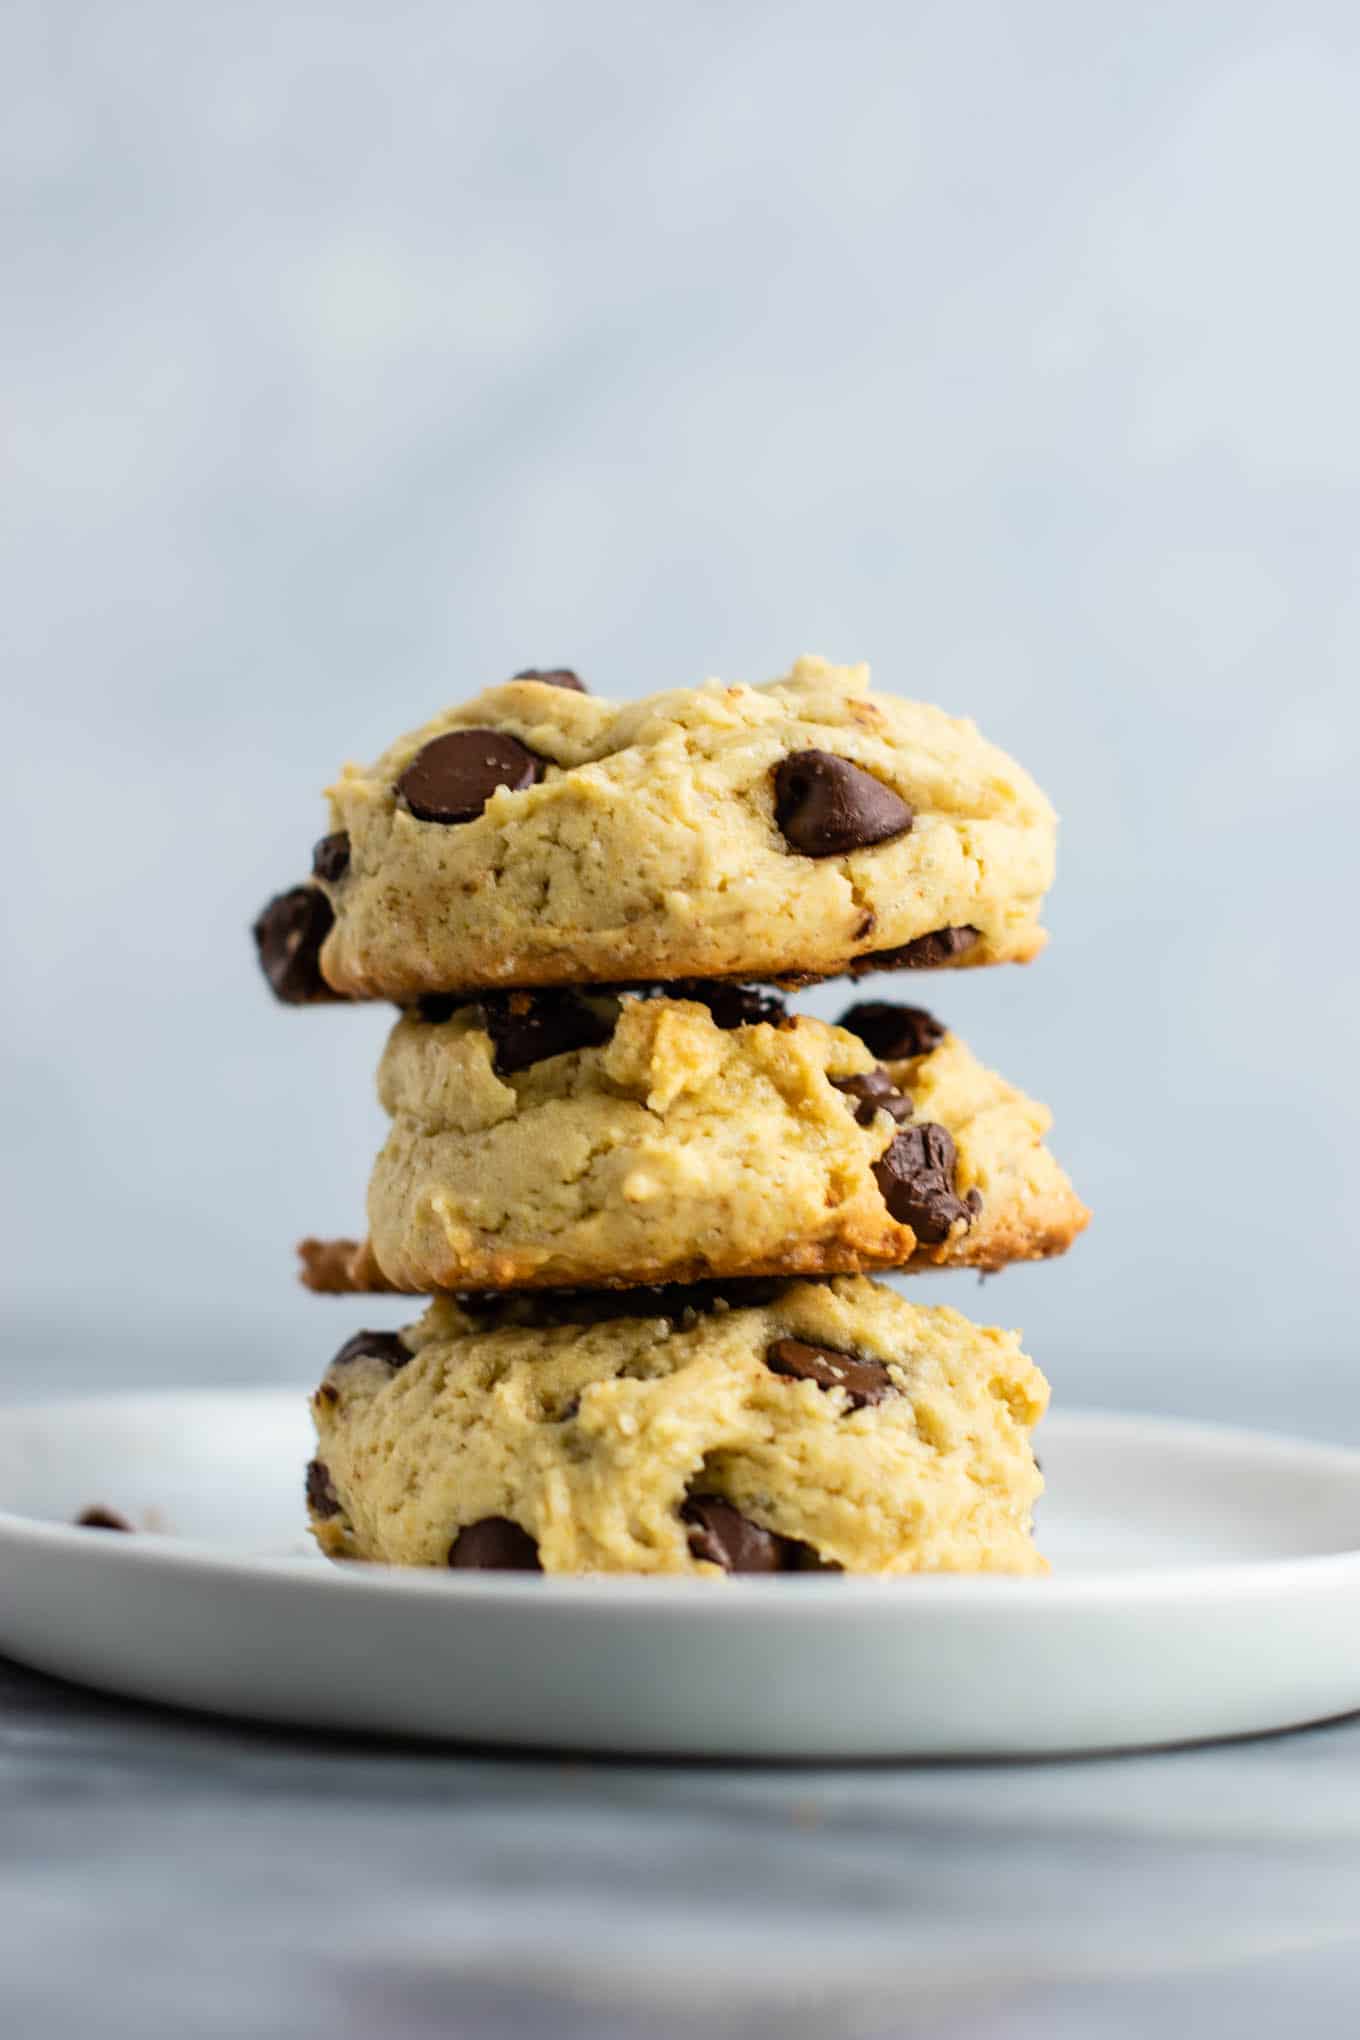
[100, 1518]
[494, 1545]
[927, 952]
[805, 1559]
[386, 1346]
[322, 1499]
[437, 1007]
[528, 1027]
[555, 676]
[675, 1301]
[288, 935]
[730, 1004]
[826, 807]
[877, 1093]
[974, 1201]
[864, 1381]
[893, 1033]
[492, 1303]
[330, 858]
[725, 1537]
[455, 775]
[916, 1176]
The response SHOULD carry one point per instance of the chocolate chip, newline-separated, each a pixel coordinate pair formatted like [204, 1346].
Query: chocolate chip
[555, 676]
[528, 1027]
[100, 1518]
[725, 1537]
[927, 952]
[494, 1545]
[808, 1560]
[491, 1303]
[678, 1302]
[864, 1381]
[455, 775]
[730, 1005]
[330, 858]
[825, 806]
[893, 1033]
[288, 935]
[322, 1499]
[437, 1007]
[877, 1093]
[916, 1176]
[387, 1346]
[974, 1201]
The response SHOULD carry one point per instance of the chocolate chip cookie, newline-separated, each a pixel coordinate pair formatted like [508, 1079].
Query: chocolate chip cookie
[540, 836]
[543, 1139]
[829, 1426]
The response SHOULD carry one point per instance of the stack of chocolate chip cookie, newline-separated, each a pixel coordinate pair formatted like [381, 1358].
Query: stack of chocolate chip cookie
[642, 1195]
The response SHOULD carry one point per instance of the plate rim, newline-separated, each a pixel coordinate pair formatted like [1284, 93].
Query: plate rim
[1054, 1594]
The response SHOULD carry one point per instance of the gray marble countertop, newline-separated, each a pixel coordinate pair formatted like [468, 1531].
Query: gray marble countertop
[164, 1877]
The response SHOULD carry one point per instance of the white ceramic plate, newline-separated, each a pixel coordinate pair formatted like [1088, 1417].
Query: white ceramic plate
[1205, 1583]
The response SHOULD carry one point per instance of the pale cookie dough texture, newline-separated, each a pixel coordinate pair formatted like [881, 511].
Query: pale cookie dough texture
[681, 1442]
[649, 846]
[676, 1150]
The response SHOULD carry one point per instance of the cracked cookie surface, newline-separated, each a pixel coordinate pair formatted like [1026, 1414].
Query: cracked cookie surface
[831, 1425]
[539, 836]
[667, 1147]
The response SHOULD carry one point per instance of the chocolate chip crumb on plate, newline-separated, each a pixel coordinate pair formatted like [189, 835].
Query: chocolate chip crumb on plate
[1204, 1583]
[97, 1517]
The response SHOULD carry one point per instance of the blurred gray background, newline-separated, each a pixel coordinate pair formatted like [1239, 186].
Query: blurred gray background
[353, 358]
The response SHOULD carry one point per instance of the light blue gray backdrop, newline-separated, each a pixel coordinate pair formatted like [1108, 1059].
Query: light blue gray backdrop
[354, 357]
